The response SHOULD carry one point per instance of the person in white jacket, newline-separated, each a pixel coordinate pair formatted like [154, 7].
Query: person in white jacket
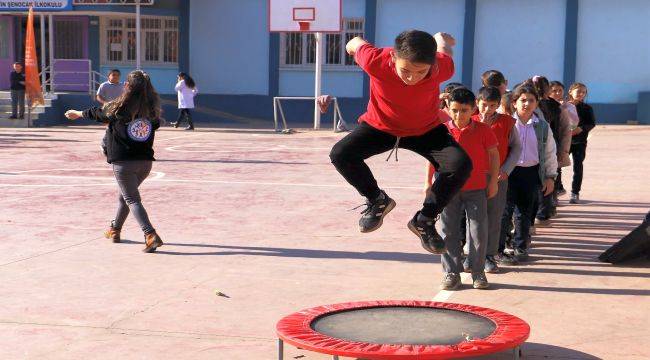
[186, 90]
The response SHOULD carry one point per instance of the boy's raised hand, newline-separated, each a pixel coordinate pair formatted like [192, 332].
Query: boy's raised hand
[444, 38]
[73, 114]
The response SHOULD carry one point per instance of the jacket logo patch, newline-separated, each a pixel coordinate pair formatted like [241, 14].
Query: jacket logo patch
[139, 130]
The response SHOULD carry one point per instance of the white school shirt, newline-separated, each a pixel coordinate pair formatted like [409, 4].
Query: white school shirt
[185, 95]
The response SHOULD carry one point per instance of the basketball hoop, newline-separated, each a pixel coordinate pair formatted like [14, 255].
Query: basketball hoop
[304, 16]
[304, 25]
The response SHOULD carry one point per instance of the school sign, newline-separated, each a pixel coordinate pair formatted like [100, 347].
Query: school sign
[42, 5]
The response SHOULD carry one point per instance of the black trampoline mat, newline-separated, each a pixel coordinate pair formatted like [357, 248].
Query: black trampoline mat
[404, 325]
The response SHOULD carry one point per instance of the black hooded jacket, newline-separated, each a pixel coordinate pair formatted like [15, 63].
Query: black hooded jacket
[127, 138]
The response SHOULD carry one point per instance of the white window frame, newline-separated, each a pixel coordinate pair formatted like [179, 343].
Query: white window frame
[303, 66]
[103, 41]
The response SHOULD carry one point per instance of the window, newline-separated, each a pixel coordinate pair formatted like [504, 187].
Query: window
[298, 50]
[158, 41]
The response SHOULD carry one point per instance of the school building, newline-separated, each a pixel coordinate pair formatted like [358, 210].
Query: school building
[239, 66]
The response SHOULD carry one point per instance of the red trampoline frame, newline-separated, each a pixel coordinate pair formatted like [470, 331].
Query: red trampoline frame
[295, 329]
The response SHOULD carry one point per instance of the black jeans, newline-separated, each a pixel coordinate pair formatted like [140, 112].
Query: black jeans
[18, 103]
[578, 153]
[523, 188]
[184, 114]
[437, 146]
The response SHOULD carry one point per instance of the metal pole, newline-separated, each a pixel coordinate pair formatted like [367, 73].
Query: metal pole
[280, 349]
[317, 85]
[42, 18]
[137, 34]
[51, 37]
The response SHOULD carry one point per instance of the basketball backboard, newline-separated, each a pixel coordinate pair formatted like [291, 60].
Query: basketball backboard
[305, 15]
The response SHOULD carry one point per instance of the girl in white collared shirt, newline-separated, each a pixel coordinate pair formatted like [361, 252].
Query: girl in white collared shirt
[186, 90]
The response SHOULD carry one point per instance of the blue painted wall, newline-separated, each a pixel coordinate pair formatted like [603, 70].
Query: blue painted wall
[341, 83]
[613, 52]
[432, 16]
[229, 43]
[162, 78]
[520, 39]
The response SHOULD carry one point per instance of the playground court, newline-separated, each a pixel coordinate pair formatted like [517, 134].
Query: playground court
[264, 219]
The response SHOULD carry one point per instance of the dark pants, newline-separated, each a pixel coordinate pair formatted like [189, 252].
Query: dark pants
[184, 114]
[129, 176]
[544, 206]
[437, 145]
[17, 103]
[578, 153]
[523, 188]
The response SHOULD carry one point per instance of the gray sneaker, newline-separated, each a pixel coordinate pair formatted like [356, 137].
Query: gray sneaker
[575, 199]
[451, 281]
[373, 215]
[480, 281]
[491, 265]
[521, 254]
[505, 259]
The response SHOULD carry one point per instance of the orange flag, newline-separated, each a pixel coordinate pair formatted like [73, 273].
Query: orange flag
[33, 90]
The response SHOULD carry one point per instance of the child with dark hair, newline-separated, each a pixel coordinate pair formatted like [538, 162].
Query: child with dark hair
[551, 111]
[536, 167]
[495, 78]
[17, 78]
[132, 119]
[568, 117]
[505, 105]
[480, 143]
[403, 112]
[186, 91]
[577, 96]
[509, 147]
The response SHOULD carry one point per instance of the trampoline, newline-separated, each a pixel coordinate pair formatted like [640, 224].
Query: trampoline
[402, 330]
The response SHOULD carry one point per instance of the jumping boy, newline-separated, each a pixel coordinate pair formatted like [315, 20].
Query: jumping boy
[480, 143]
[403, 113]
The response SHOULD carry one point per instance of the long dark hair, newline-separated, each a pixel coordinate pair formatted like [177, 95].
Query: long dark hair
[189, 82]
[138, 99]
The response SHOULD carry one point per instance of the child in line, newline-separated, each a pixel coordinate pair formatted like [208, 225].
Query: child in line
[569, 115]
[132, 120]
[577, 95]
[509, 147]
[551, 111]
[186, 91]
[480, 143]
[505, 106]
[495, 78]
[403, 112]
[537, 167]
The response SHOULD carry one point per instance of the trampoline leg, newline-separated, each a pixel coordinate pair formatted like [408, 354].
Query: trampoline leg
[280, 349]
[515, 353]
[335, 357]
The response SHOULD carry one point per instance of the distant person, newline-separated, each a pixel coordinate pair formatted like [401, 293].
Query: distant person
[109, 91]
[577, 95]
[17, 92]
[569, 115]
[132, 120]
[186, 90]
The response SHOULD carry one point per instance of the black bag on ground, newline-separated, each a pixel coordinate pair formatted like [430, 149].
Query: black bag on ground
[634, 245]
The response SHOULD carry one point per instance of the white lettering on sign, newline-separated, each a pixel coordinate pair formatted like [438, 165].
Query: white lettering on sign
[23, 5]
